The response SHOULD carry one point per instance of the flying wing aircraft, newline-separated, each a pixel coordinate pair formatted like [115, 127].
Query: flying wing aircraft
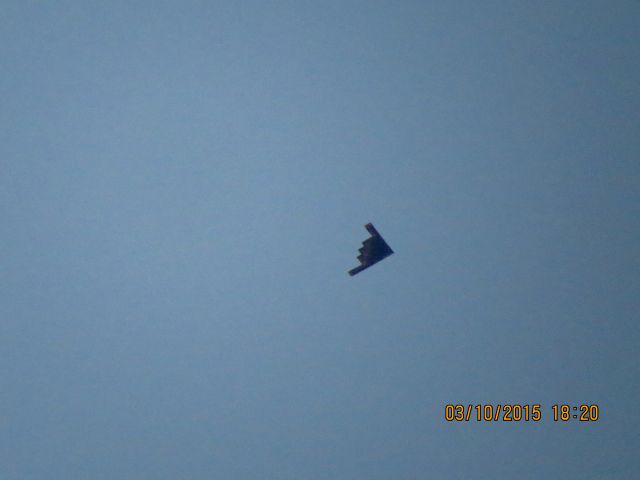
[373, 250]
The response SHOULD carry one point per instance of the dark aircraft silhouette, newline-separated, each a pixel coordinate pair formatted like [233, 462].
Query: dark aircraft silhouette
[373, 250]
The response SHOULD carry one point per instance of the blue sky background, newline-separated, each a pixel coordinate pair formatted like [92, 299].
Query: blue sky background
[183, 187]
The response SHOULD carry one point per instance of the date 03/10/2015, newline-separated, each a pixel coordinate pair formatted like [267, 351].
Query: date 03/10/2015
[519, 412]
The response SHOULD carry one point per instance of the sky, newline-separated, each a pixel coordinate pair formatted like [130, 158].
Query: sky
[184, 186]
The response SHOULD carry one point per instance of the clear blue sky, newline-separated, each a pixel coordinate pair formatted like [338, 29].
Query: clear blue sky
[183, 187]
